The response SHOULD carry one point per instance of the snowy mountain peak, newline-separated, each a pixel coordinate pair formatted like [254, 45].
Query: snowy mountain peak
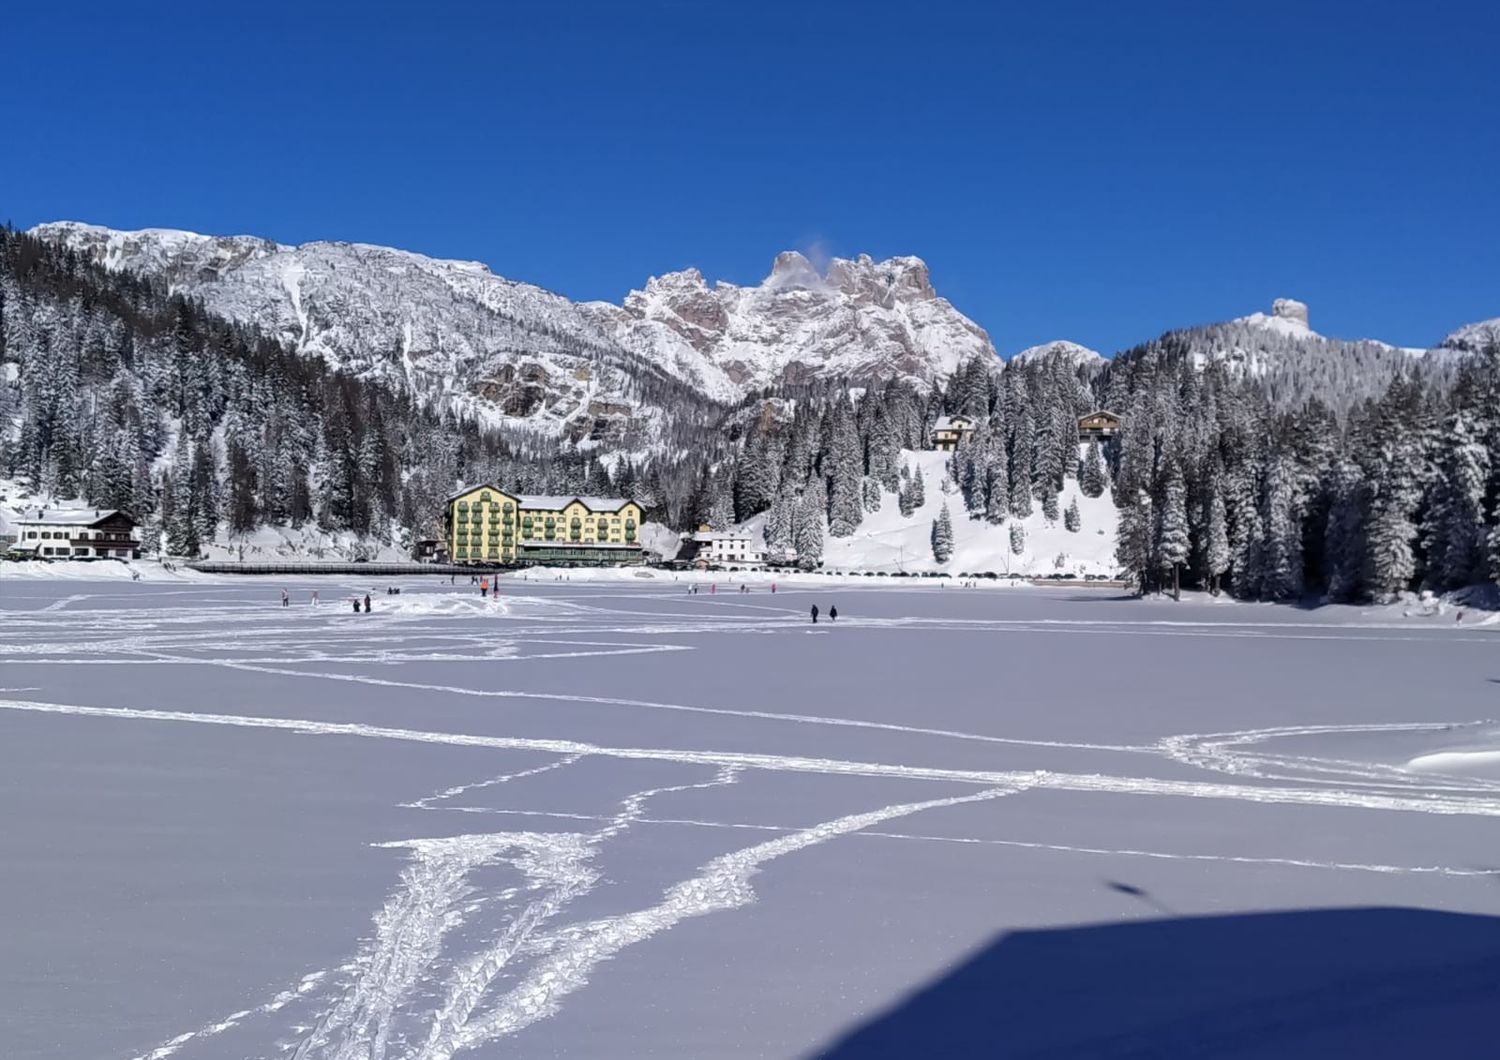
[1290, 309]
[517, 355]
[1287, 317]
[1473, 337]
[1071, 351]
[861, 319]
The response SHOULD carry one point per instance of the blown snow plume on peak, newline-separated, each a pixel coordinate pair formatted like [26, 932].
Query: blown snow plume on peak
[859, 319]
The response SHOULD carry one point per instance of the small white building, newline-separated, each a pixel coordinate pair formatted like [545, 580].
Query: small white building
[77, 533]
[727, 548]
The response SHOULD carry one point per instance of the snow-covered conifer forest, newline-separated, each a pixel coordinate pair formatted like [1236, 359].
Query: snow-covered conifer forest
[212, 386]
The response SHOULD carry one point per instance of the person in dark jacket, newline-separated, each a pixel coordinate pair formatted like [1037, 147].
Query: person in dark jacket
[833, 613]
[815, 614]
[367, 603]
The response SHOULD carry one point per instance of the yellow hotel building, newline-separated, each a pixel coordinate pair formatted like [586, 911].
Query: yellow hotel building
[485, 524]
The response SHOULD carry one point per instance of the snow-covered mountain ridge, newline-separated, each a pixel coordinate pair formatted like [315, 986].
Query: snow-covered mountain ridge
[518, 355]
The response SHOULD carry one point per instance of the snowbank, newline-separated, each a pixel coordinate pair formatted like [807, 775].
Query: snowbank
[100, 570]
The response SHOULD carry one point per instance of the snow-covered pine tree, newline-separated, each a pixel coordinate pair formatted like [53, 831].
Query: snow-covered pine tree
[721, 502]
[1216, 551]
[808, 527]
[942, 535]
[1017, 539]
[1094, 479]
[180, 528]
[779, 524]
[1455, 532]
[918, 489]
[845, 467]
[871, 489]
[1133, 549]
[996, 480]
[1494, 554]
[1020, 494]
[1282, 554]
[1072, 518]
[1049, 506]
[1174, 545]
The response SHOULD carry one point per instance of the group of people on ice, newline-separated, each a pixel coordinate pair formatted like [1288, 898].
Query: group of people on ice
[833, 613]
[713, 587]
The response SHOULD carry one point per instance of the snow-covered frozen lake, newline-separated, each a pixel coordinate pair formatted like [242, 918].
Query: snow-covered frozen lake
[616, 820]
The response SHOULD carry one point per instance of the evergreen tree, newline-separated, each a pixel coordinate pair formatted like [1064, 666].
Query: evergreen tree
[1020, 494]
[808, 528]
[1455, 531]
[1174, 545]
[1017, 539]
[918, 489]
[1072, 518]
[871, 489]
[845, 506]
[1133, 539]
[942, 536]
[1049, 506]
[904, 499]
[1094, 479]
[1216, 557]
[1281, 577]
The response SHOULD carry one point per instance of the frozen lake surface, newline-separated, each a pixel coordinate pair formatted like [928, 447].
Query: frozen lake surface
[609, 820]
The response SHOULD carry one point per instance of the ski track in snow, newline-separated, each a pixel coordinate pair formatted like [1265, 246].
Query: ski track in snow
[418, 988]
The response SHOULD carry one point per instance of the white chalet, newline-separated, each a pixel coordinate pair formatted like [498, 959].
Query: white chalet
[726, 548]
[76, 533]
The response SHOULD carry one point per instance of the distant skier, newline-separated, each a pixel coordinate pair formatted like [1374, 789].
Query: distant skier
[833, 613]
[286, 598]
[815, 614]
[367, 603]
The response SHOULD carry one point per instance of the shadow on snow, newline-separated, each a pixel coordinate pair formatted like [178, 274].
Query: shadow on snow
[1371, 982]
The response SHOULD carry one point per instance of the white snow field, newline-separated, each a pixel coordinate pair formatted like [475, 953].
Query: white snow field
[606, 819]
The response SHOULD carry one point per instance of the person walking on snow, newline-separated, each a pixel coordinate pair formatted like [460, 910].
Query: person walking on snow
[815, 614]
[833, 613]
[484, 586]
[367, 603]
[286, 598]
[315, 598]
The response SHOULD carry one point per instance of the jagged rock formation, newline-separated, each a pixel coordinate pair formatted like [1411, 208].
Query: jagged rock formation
[517, 356]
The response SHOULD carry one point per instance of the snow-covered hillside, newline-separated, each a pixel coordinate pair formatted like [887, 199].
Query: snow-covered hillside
[888, 541]
[1080, 356]
[516, 355]
[1473, 337]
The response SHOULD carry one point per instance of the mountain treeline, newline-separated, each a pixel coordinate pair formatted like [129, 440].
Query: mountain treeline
[1272, 467]
[1221, 479]
[116, 390]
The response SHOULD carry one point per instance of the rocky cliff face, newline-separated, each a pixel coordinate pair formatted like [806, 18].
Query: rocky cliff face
[861, 319]
[516, 355]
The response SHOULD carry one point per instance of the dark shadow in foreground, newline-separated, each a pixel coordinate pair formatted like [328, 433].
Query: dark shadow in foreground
[1365, 983]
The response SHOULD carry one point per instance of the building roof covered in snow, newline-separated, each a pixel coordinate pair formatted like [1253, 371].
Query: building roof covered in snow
[953, 423]
[70, 516]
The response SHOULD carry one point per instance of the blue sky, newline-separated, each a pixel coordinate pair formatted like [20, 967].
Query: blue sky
[1099, 172]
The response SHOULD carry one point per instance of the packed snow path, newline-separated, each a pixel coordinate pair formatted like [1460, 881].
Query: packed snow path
[619, 820]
